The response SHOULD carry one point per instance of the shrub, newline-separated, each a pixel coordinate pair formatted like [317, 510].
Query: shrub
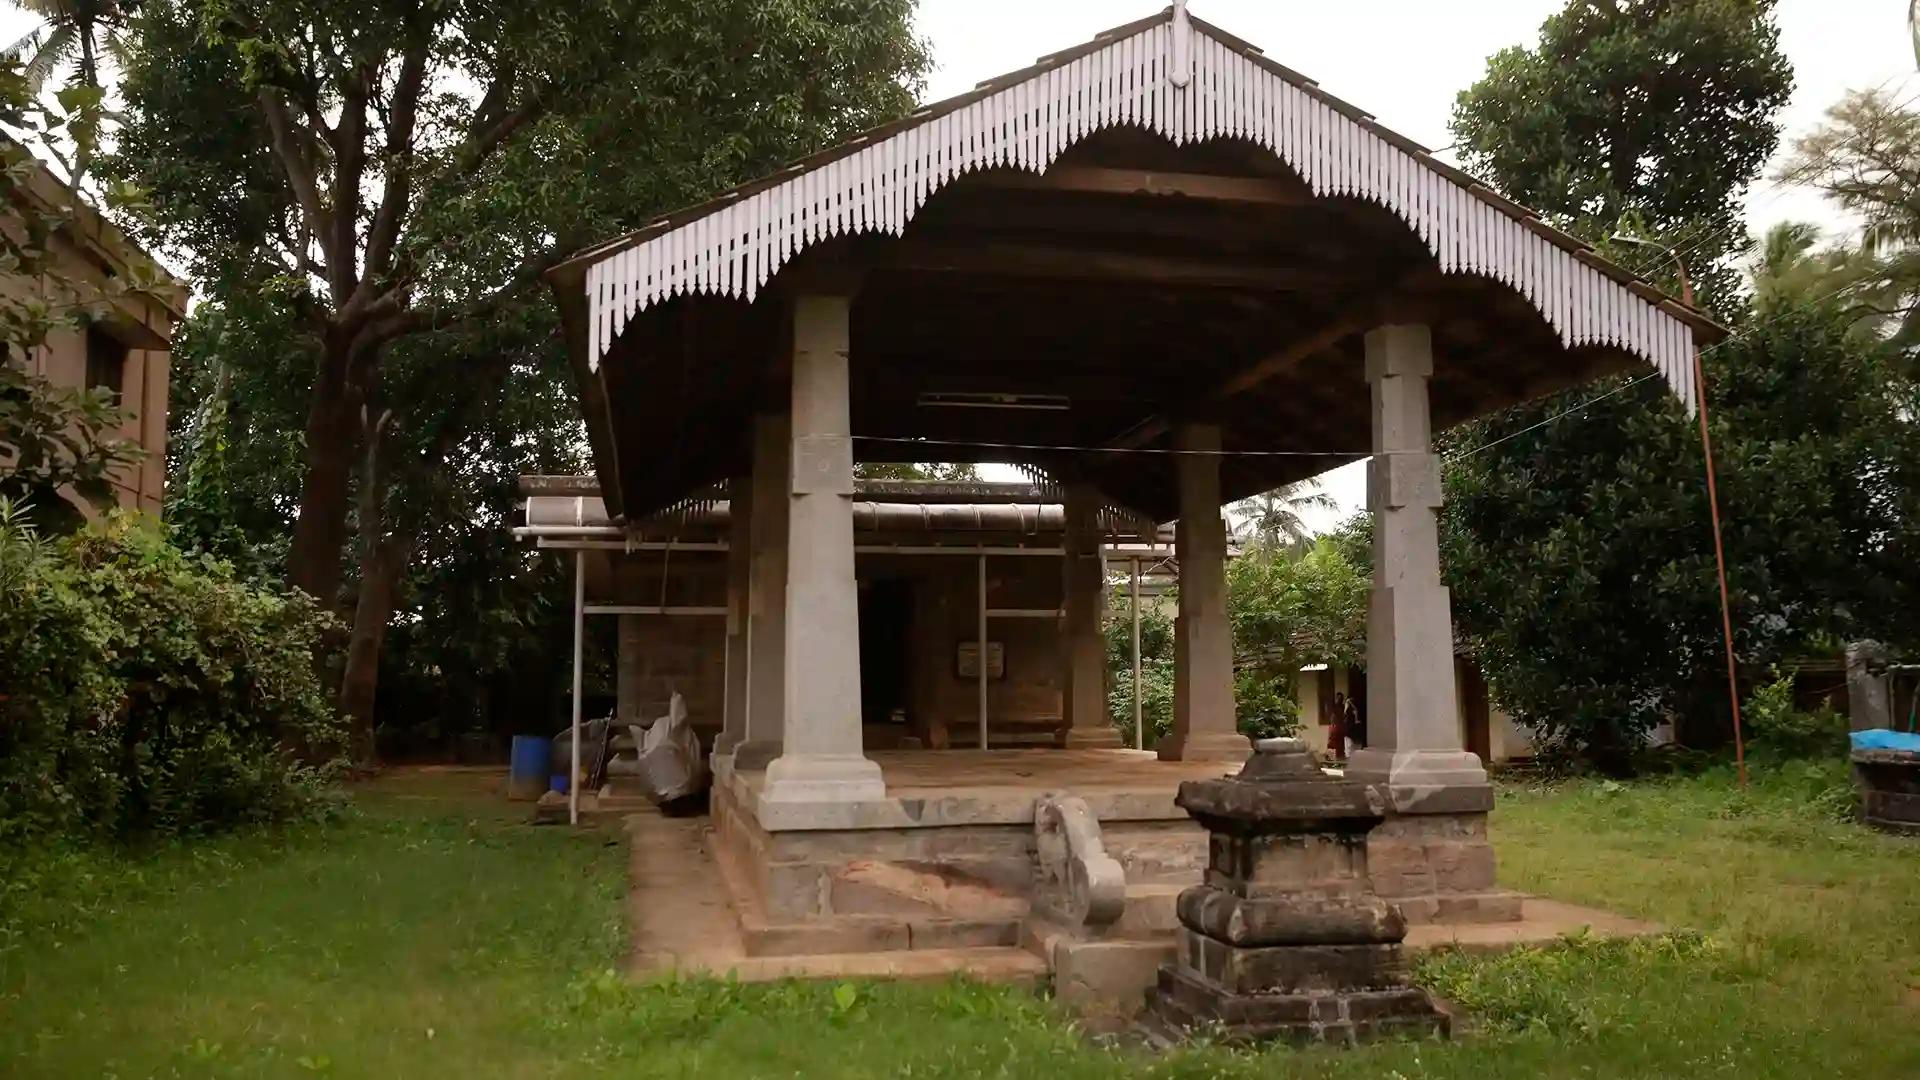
[1264, 704]
[1779, 728]
[1156, 703]
[143, 691]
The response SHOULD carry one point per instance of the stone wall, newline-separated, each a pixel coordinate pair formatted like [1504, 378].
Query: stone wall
[1024, 704]
[661, 654]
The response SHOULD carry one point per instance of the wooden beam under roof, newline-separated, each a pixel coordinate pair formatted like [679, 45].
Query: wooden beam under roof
[1023, 260]
[1098, 180]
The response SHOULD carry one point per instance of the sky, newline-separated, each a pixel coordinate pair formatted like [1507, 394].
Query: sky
[1405, 60]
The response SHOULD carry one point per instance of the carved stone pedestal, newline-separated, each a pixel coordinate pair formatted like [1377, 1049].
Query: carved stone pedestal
[1286, 938]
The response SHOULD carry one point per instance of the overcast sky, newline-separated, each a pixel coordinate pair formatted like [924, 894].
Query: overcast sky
[1405, 60]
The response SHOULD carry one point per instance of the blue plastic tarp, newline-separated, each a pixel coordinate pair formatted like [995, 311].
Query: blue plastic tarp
[1886, 739]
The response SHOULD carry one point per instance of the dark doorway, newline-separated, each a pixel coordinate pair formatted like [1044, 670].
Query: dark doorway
[886, 626]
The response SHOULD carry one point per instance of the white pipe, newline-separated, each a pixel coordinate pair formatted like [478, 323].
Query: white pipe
[980, 653]
[1139, 731]
[521, 532]
[579, 635]
[561, 544]
[652, 609]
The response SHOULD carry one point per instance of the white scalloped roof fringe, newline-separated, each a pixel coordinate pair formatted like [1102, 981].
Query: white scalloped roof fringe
[736, 249]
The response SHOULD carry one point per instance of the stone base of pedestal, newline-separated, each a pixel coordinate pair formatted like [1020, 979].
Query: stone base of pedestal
[1183, 1002]
[1439, 868]
[1204, 746]
[1091, 738]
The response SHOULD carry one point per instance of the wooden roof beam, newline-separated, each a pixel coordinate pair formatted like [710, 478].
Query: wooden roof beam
[1013, 260]
[1097, 180]
[1357, 317]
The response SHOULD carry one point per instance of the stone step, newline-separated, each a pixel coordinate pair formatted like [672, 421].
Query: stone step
[1002, 964]
[764, 938]
[1150, 912]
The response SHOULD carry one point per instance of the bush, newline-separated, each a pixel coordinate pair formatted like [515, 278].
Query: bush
[143, 691]
[1264, 705]
[1777, 727]
[1156, 703]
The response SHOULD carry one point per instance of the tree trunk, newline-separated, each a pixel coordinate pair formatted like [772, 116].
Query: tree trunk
[380, 573]
[320, 533]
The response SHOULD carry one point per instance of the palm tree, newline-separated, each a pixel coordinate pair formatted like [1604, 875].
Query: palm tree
[1275, 519]
[1790, 264]
[74, 29]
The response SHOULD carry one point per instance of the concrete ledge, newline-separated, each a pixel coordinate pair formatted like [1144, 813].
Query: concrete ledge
[1541, 922]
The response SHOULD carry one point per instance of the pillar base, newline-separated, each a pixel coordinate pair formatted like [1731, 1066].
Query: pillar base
[1432, 856]
[1091, 738]
[1205, 746]
[810, 779]
[755, 754]
[1425, 781]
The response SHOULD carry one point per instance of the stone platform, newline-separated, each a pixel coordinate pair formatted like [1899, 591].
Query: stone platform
[947, 858]
[939, 879]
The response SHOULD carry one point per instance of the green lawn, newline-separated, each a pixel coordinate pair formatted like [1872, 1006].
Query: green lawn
[430, 934]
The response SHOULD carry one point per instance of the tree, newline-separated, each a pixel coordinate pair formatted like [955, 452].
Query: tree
[885, 470]
[1288, 612]
[1866, 158]
[1579, 553]
[1276, 518]
[333, 152]
[75, 30]
[1654, 115]
[1578, 548]
[327, 162]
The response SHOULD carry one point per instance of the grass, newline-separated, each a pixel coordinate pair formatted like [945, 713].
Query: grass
[429, 933]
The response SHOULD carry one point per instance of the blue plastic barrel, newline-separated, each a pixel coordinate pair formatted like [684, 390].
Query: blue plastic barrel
[527, 768]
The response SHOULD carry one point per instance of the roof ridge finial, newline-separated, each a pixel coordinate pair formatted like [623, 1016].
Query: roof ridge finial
[1182, 66]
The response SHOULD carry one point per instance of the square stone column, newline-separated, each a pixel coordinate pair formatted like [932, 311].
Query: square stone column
[823, 760]
[766, 692]
[626, 670]
[739, 574]
[1083, 649]
[1432, 855]
[1204, 723]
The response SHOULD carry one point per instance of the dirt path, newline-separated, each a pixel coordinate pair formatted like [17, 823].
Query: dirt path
[676, 902]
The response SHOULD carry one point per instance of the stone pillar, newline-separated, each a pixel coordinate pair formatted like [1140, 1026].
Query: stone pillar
[823, 760]
[1083, 649]
[626, 671]
[766, 596]
[1432, 856]
[1869, 705]
[1204, 727]
[739, 572]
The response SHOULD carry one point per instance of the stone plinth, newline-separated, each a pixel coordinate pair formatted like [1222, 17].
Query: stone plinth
[1889, 785]
[1286, 937]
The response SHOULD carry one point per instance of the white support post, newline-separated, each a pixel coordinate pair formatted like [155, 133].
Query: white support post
[980, 652]
[579, 639]
[1203, 708]
[822, 763]
[1083, 651]
[1413, 734]
[1139, 728]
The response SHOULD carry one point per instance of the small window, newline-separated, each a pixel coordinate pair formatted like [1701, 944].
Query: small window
[106, 361]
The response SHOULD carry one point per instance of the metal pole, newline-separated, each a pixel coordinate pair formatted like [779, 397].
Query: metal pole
[1139, 730]
[1719, 549]
[1720, 564]
[579, 636]
[1713, 510]
[980, 653]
